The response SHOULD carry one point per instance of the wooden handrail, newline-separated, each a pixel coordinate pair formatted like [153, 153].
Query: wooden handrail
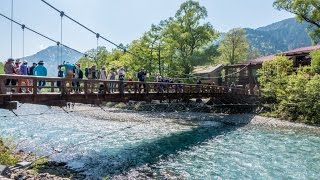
[122, 87]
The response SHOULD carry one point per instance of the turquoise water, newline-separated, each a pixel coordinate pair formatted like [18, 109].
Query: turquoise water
[163, 148]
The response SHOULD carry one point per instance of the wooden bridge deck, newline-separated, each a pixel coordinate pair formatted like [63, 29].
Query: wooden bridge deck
[98, 91]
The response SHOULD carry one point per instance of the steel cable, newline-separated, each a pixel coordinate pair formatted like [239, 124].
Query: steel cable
[42, 35]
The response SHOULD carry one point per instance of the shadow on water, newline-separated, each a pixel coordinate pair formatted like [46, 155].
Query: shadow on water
[150, 152]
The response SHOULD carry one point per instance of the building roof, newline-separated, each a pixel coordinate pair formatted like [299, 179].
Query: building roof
[303, 50]
[208, 69]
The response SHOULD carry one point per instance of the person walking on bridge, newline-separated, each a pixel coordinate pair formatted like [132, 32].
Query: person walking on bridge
[68, 74]
[9, 69]
[141, 77]
[121, 74]
[30, 73]
[112, 76]
[17, 71]
[24, 71]
[91, 73]
[60, 74]
[40, 70]
[68, 67]
[102, 76]
[77, 74]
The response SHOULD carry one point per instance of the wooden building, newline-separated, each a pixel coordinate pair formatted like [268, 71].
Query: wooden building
[245, 75]
[209, 74]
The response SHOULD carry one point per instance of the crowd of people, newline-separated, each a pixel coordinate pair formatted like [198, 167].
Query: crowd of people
[73, 74]
[16, 67]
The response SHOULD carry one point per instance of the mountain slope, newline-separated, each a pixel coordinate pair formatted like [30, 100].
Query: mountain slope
[280, 36]
[51, 58]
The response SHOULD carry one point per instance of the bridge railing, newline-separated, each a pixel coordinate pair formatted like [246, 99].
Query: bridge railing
[40, 84]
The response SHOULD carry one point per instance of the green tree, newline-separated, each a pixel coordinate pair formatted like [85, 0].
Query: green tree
[1, 68]
[311, 109]
[305, 10]
[296, 95]
[315, 61]
[149, 48]
[234, 46]
[96, 57]
[273, 77]
[186, 33]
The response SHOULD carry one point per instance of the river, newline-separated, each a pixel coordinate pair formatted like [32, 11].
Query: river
[144, 145]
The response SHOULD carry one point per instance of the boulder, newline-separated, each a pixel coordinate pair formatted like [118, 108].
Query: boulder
[4, 170]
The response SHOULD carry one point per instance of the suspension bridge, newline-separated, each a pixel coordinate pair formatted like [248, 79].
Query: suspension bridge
[98, 91]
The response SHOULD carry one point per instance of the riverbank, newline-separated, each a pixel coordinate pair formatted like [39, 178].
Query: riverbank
[165, 112]
[23, 165]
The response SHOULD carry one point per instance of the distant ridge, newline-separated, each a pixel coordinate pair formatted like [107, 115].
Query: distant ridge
[51, 57]
[278, 37]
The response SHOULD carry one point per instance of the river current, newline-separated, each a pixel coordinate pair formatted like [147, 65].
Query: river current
[152, 145]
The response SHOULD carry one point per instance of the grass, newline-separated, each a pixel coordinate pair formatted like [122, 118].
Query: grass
[39, 164]
[6, 156]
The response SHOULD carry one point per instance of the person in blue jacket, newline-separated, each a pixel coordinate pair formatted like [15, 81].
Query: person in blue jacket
[40, 70]
[68, 70]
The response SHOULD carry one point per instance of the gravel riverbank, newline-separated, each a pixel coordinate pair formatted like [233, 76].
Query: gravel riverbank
[110, 113]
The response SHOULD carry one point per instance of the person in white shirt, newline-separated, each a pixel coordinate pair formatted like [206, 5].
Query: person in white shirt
[103, 74]
[121, 73]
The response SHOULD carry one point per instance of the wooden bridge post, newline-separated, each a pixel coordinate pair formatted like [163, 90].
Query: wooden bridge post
[121, 87]
[147, 88]
[52, 86]
[34, 88]
[135, 88]
[2, 86]
[251, 79]
[106, 88]
[63, 86]
[86, 88]
[176, 88]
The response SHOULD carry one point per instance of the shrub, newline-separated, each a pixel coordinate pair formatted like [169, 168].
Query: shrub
[297, 94]
[315, 62]
[6, 157]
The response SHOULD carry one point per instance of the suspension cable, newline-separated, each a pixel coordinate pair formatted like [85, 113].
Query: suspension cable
[90, 30]
[58, 51]
[23, 26]
[44, 36]
[11, 26]
[97, 36]
[61, 19]
[96, 55]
